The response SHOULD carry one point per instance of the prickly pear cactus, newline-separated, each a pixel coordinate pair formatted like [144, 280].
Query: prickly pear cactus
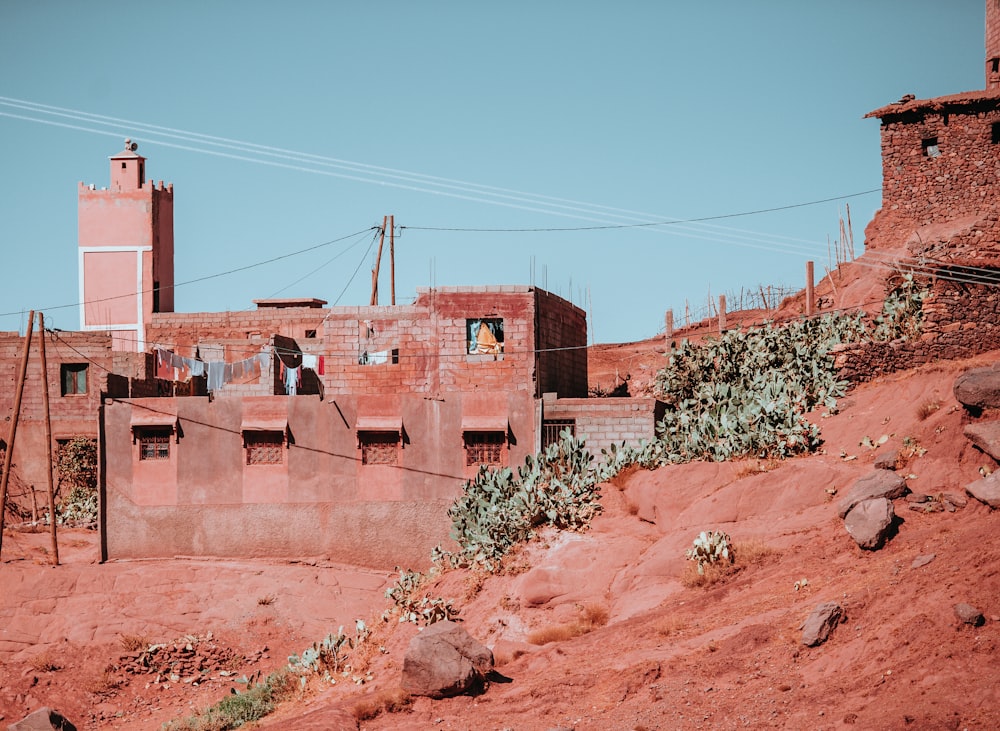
[710, 548]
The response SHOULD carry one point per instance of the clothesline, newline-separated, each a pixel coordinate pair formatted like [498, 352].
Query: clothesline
[178, 368]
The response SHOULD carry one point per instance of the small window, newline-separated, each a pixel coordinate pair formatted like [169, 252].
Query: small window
[485, 336]
[484, 447]
[379, 447]
[123, 166]
[379, 357]
[552, 430]
[264, 447]
[994, 65]
[930, 147]
[154, 442]
[310, 334]
[73, 378]
[995, 133]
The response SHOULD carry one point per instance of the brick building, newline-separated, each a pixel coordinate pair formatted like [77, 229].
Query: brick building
[293, 428]
[940, 218]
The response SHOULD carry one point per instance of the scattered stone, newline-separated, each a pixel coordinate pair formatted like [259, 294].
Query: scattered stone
[969, 614]
[44, 719]
[869, 522]
[986, 436]
[918, 497]
[876, 484]
[820, 623]
[444, 660]
[957, 500]
[986, 490]
[978, 388]
[922, 560]
[887, 460]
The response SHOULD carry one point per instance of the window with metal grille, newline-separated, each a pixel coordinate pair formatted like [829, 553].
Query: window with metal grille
[73, 378]
[379, 447]
[154, 442]
[484, 447]
[264, 447]
[552, 430]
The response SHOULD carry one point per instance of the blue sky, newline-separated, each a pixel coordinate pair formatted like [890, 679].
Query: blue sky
[456, 115]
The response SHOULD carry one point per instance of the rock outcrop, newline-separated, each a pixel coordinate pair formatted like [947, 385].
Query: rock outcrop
[444, 660]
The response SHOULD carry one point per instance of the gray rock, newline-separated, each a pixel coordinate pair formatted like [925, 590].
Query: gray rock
[878, 483]
[820, 623]
[444, 660]
[986, 436]
[869, 522]
[978, 388]
[969, 614]
[887, 460]
[44, 719]
[986, 490]
[922, 560]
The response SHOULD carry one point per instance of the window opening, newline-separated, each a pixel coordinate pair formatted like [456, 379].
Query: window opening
[310, 334]
[552, 430]
[930, 147]
[484, 447]
[154, 442]
[379, 357]
[485, 336]
[995, 133]
[379, 447]
[73, 378]
[264, 447]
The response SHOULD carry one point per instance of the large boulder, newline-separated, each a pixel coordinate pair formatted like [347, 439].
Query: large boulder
[986, 490]
[820, 623]
[979, 388]
[986, 436]
[44, 719]
[878, 483]
[870, 522]
[444, 660]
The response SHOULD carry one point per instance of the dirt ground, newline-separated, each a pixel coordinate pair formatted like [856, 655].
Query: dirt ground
[670, 656]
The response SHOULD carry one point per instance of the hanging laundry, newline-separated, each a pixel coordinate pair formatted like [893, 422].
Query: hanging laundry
[216, 371]
[194, 366]
[292, 380]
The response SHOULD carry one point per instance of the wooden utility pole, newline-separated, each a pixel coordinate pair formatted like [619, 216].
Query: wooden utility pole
[722, 313]
[48, 438]
[810, 291]
[378, 260]
[392, 259]
[668, 326]
[5, 479]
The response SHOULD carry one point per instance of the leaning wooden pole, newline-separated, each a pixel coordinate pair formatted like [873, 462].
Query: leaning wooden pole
[378, 261]
[5, 479]
[48, 438]
[392, 259]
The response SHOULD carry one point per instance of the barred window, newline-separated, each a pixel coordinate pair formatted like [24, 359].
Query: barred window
[552, 430]
[264, 447]
[379, 447]
[154, 443]
[484, 447]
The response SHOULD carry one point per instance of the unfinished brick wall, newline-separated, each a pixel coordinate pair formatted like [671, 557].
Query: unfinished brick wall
[992, 44]
[606, 421]
[561, 340]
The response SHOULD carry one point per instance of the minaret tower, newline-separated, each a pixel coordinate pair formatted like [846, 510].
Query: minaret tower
[993, 44]
[126, 251]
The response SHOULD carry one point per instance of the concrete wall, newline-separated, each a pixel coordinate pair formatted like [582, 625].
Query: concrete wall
[606, 421]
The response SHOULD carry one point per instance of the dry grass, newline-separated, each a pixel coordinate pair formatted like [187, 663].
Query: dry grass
[927, 408]
[755, 467]
[753, 552]
[45, 663]
[133, 643]
[266, 600]
[474, 584]
[382, 701]
[670, 625]
[104, 685]
[592, 616]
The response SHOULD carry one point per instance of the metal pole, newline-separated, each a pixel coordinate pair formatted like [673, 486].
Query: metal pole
[13, 424]
[48, 438]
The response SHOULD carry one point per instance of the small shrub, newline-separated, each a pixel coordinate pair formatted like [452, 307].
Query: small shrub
[266, 600]
[592, 616]
[383, 701]
[133, 643]
[239, 708]
[45, 663]
[709, 549]
[927, 408]
[753, 552]
[670, 625]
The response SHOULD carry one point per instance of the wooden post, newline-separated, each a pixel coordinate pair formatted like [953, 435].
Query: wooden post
[722, 313]
[5, 479]
[392, 259]
[669, 326]
[810, 290]
[48, 438]
[378, 261]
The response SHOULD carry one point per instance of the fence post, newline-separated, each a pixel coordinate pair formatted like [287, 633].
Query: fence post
[669, 326]
[722, 313]
[810, 291]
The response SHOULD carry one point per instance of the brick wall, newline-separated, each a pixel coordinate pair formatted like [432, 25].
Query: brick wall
[606, 421]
